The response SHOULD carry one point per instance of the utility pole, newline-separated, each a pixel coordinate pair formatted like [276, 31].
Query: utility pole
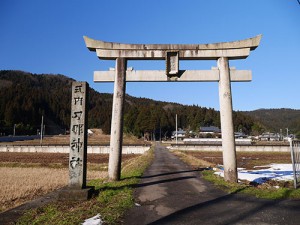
[42, 128]
[281, 135]
[176, 131]
[159, 132]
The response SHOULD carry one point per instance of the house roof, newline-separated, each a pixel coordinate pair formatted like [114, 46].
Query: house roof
[210, 129]
[178, 132]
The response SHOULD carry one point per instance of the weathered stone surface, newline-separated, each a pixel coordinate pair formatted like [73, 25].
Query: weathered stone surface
[74, 194]
[78, 135]
[233, 50]
[228, 143]
[116, 136]
[251, 43]
[241, 53]
[183, 76]
[172, 63]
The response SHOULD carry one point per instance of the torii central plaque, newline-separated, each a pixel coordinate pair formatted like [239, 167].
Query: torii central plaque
[172, 54]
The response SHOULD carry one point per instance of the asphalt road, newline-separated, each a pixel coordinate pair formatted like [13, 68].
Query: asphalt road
[171, 193]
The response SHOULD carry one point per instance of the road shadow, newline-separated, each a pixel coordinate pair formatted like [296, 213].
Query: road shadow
[162, 181]
[139, 185]
[228, 209]
[172, 173]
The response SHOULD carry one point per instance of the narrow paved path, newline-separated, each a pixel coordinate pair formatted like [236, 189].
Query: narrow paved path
[171, 193]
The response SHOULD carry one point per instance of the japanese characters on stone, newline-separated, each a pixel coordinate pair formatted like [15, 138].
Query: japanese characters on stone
[78, 135]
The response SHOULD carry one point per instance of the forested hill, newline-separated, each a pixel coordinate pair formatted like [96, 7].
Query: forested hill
[25, 97]
[276, 119]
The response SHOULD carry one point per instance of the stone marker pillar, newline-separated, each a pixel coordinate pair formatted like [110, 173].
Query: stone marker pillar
[77, 189]
[116, 138]
[78, 135]
[228, 141]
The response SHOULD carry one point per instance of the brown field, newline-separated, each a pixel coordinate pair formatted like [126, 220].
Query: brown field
[97, 138]
[46, 159]
[19, 171]
[245, 160]
[25, 176]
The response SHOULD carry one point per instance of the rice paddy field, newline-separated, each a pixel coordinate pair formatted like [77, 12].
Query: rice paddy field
[26, 176]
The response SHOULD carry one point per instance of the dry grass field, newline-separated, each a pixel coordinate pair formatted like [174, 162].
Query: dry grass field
[22, 184]
[26, 176]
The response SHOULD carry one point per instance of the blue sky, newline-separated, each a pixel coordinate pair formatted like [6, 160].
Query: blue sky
[47, 37]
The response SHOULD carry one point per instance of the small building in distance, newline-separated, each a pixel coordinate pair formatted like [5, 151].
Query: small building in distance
[240, 135]
[269, 137]
[181, 134]
[210, 132]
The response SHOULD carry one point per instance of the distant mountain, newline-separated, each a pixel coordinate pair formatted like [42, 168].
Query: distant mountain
[278, 119]
[25, 97]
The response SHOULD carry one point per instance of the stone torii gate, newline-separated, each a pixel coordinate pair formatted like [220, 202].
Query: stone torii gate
[172, 53]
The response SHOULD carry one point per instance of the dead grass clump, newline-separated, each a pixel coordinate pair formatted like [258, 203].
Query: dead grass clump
[93, 174]
[193, 161]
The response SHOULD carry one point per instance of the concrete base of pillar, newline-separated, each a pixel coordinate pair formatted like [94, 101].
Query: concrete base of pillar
[74, 194]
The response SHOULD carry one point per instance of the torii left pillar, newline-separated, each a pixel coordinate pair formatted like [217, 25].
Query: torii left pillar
[116, 136]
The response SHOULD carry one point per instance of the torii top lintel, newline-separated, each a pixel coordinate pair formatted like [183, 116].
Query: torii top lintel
[233, 50]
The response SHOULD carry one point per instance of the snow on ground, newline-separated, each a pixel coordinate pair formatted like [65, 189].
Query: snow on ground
[96, 220]
[281, 172]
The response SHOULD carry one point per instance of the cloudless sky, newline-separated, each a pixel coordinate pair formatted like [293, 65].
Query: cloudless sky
[46, 36]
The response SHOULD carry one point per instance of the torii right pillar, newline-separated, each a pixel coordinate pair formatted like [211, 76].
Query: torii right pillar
[228, 141]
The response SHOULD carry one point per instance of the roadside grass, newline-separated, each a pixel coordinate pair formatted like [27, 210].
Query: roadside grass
[113, 200]
[260, 191]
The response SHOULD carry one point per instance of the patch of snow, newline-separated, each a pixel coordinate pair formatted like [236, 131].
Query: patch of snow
[96, 220]
[281, 172]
